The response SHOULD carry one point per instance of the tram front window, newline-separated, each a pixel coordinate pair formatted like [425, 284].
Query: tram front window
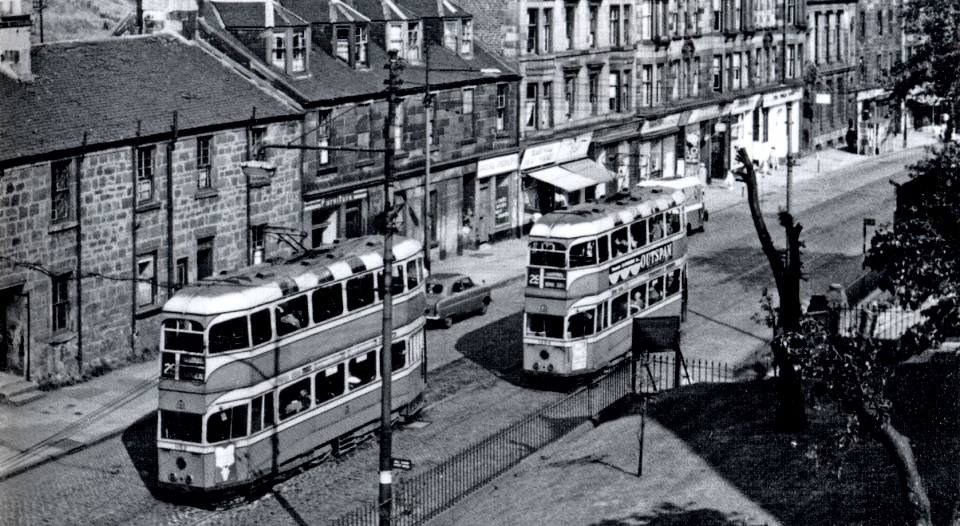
[548, 254]
[545, 325]
[178, 425]
[581, 324]
[182, 335]
[583, 254]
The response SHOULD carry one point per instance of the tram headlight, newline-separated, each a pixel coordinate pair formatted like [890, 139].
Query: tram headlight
[181, 463]
[544, 355]
[550, 368]
[189, 479]
[173, 477]
[536, 366]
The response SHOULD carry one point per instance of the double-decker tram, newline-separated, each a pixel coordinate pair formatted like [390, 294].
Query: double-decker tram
[594, 267]
[276, 365]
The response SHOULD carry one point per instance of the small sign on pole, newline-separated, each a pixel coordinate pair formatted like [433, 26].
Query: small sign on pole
[401, 463]
[822, 98]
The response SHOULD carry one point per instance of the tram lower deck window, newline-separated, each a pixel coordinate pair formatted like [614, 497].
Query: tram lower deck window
[227, 424]
[329, 383]
[618, 308]
[581, 324]
[294, 398]
[363, 369]
[545, 325]
[398, 358]
[178, 425]
[673, 282]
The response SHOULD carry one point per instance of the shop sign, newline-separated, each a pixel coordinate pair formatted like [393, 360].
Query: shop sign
[337, 200]
[498, 165]
[822, 98]
[556, 152]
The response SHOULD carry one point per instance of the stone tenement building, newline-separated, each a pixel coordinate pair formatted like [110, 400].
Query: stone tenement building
[331, 61]
[120, 181]
[830, 78]
[879, 30]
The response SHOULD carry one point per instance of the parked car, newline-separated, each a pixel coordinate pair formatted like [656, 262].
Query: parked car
[451, 296]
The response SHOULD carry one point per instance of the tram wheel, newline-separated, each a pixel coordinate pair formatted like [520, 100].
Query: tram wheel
[448, 322]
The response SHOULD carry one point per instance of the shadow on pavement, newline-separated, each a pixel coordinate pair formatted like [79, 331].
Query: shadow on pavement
[140, 440]
[670, 515]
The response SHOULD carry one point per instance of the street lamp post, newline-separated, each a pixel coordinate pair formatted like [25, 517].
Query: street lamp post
[783, 77]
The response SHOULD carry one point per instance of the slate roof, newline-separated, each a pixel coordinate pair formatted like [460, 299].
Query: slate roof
[247, 14]
[433, 8]
[105, 86]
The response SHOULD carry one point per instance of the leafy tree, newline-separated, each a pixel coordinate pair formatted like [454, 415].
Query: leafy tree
[932, 67]
[791, 413]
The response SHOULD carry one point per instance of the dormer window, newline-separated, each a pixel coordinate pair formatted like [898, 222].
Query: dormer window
[343, 43]
[360, 46]
[299, 46]
[279, 57]
[466, 36]
[413, 41]
[458, 36]
[450, 35]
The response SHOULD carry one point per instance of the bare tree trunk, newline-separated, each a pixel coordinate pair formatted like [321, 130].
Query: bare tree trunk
[791, 412]
[916, 503]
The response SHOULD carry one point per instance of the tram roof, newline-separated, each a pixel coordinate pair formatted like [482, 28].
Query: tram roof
[594, 218]
[252, 286]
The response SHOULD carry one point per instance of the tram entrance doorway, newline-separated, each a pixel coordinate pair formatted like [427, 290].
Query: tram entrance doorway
[13, 333]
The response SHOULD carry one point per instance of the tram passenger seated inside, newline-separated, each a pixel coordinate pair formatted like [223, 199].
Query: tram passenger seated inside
[619, 239]
[673, 282]
[287, 321]
[656, 228]
[638, 300]
[581, 324]
[301, 402]
[583, 254]
[656, 290]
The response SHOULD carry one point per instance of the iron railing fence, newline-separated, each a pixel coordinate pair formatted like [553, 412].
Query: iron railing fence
[427, 494]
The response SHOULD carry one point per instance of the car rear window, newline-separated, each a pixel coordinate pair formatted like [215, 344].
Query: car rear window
[434, 288]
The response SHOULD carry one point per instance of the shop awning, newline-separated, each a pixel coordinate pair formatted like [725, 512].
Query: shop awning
[590, 168]
[562, 178]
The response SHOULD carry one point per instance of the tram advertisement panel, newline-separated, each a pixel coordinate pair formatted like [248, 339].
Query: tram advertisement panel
[647, 260]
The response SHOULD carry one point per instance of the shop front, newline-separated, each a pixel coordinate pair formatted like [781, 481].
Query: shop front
[659, 147]
[343, 215]
[559, 174]
[494, 214]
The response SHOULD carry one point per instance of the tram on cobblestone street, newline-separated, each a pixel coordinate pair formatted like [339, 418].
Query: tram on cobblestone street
[594, 267]
[276, 366]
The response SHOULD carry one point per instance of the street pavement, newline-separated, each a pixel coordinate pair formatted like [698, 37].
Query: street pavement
[76, 417]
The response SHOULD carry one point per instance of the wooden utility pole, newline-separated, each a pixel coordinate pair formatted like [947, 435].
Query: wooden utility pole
[428, 107]
[783, 78]
[385, 501]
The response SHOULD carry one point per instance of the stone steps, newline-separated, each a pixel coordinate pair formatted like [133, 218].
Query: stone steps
[14, 390]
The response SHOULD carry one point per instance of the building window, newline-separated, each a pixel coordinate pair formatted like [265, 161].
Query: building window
[342, 47]
[717, 73]
[204, 164]
[756, 125]
[791, 11]
[646, 87]
[323, 227]
[413, 41]
[614, 25]
[646, 19]
[60, 302]
[360, 46]
[530, 107]
[696, 77]
[791, 61]
[395, 37]
[660, 13]
[182, 273]
[570, 96]
[258, 243]
[501, 107]
[204, 257]
[450, 35]
[257, 152]
[466, 37]
[627, 26]
[880, 22]
[533, 29]
[615, 105]
[145, 174]
[570, 17]
[60, 179]
[364, 127]
[546, 106]
[324, 131]
[659, 80]
[766, 124]
[594, 14]
[737, 77]
[548, 30]
[299, 63]
[467, 108]
[279, 57]
[717, 16]
[146, 280]
[626, 85]
[595, 93]
[353, 219]
[675, 80]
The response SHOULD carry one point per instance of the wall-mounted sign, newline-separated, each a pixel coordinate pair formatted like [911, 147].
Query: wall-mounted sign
[822, 98]
[336, 200]
[498, 165]
[556, 152]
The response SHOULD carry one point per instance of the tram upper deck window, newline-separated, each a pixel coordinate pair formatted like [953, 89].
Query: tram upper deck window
[294, 398]
[261, 328]
[227, 424]
[620, 241]
[363, 369]
[292, 315]
[638, 233]
[229, 335]
[583, 254]
[545, 325]
[327, 302]
[182, 335]
[655, 227]
[548, 254]
[396, 281]
[360, 292]
[178, 425]
[330, 383]
[581, 324]
[673, 221]
[603, 248]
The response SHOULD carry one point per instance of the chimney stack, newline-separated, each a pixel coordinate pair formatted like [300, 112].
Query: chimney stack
[169, 16]
[268, 13]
